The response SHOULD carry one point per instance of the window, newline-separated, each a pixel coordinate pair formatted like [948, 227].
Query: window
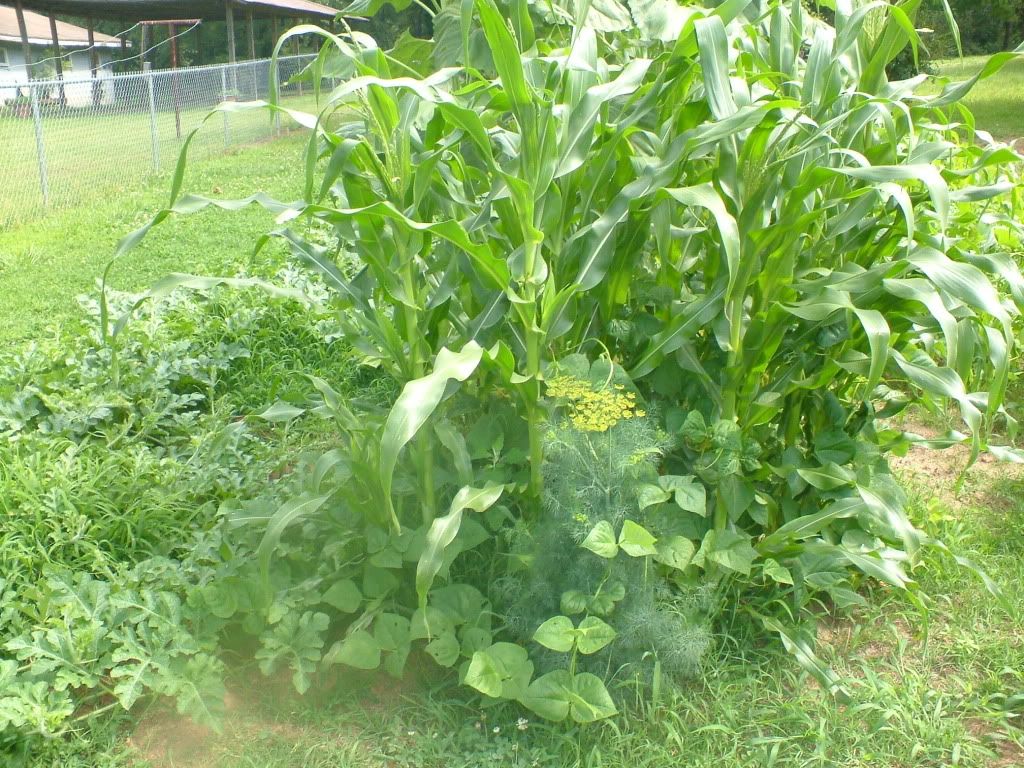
[4, 63]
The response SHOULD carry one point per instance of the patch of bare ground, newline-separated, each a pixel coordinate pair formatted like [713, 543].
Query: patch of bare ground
[1009, 753]
[939, 472]
[846, 636]
[164, 739]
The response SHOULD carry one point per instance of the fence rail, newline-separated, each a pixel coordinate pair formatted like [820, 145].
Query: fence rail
[63, 142]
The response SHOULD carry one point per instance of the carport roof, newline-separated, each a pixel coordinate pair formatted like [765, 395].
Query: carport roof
[158, 10]
[38, 28]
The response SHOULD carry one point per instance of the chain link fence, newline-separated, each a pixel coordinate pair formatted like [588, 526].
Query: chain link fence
[63, 142]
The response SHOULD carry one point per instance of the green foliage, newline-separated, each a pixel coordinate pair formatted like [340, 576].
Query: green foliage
[109, 493]
[603, 548]
[756, 239]
[986, 26]
[47, 263]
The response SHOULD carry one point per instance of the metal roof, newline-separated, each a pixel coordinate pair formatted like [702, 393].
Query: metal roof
[38, 28]
[154, 10]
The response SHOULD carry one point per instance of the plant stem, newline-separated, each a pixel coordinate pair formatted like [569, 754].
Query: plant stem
[721, 512]
[534, 417]
[735, 359]
[424, 444]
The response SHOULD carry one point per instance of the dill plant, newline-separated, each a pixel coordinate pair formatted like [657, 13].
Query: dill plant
[600, 448]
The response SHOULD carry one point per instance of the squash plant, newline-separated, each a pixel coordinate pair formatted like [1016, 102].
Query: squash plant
[735, 214]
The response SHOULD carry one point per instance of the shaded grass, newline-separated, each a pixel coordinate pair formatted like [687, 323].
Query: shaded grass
[997, 102]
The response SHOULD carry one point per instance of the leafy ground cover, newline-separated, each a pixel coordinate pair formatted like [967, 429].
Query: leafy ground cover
[933, 687]
[218, 415]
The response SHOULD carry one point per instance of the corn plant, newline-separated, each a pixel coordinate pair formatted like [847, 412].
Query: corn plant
[766, 241]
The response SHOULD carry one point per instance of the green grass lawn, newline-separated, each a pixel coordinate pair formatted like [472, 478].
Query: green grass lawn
[997, 102]
[46, 264]
[89, 156]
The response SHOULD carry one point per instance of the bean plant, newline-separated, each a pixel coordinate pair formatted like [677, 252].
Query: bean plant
[717, 240]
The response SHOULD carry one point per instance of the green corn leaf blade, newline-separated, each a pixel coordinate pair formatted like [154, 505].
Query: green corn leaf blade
[827, 477]
[801, 650]
[705, 196]
[455, 443]
[416, 403]
[444, 530]
[575, 145]
[877, 330]
[713, 44]
[507, 58]
[281, 411]
[807, 526]
[288, 513]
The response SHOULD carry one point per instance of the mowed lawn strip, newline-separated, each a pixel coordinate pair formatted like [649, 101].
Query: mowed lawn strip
[46, 264]
[998, 101]
[89, 156]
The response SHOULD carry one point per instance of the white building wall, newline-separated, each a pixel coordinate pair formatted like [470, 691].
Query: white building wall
[78, 94]
[14, 72]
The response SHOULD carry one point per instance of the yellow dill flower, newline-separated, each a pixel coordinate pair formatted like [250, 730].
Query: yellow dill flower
[593, 410]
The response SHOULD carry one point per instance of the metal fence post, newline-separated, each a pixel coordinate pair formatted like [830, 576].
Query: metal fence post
[37, 119]
[224, 98]
[152, 123]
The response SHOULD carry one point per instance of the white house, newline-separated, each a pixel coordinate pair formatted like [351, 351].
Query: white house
[75, 62]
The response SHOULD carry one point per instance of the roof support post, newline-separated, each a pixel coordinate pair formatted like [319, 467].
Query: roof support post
[94, 57]
[26, 49]
[230, 21]
[251, 23]
[94, 62]
[59, 62]
[142, 47]
[172, 35]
